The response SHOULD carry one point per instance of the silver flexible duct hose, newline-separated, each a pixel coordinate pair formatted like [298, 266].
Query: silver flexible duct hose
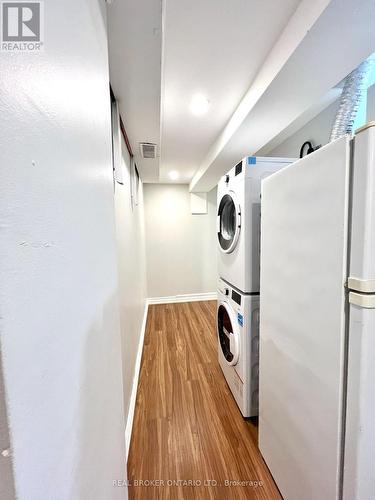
[353, 93]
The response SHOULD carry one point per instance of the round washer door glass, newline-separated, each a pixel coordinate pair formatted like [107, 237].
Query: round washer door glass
[229, 225]
[228, 337]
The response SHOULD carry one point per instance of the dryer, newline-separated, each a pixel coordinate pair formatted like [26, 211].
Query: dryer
[237, 325]
[238, 220]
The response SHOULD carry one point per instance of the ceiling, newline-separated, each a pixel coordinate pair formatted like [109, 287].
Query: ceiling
[261, 64]
[163, 52]
[214, 48]
[135, 44]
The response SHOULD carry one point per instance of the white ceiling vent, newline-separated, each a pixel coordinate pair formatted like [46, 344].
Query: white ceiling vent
[148, 150]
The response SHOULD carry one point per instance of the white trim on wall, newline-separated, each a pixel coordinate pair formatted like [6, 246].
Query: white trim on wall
[193, 297]
[133, 396]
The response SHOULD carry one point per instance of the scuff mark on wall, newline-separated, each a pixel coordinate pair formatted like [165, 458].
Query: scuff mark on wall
[7, 489]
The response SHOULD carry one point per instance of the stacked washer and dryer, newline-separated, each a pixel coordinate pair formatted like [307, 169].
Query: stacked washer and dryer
[238, 231]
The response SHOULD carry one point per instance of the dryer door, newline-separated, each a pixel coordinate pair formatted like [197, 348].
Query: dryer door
[228, 334]
[228, 222]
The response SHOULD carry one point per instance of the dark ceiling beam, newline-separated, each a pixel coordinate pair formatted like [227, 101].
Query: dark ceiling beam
[122, 126]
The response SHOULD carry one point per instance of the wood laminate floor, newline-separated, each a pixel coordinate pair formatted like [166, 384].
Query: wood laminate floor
[187, 426]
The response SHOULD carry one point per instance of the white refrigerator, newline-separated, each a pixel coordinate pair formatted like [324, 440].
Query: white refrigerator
[317, 323]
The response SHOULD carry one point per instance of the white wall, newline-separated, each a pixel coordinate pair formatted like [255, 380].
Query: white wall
[319, 129]
[60, 329]
[132, 262]
[180, 248]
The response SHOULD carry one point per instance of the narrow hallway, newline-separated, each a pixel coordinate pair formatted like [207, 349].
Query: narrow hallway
[187, 232]
[187, 426]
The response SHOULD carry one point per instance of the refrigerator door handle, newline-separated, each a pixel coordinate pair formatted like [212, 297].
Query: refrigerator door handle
[362, 300]
[359, 285]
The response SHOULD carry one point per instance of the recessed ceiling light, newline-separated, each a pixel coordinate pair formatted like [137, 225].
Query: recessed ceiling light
[199, 104]
[173, 175]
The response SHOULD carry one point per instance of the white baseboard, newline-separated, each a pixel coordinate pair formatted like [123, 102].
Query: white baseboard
[133, 396]
[194, 297]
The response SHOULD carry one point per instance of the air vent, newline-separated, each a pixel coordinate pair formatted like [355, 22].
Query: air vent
[148, 150]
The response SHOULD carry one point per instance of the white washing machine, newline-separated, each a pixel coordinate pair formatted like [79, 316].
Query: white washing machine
[237, 324]
[238, 220]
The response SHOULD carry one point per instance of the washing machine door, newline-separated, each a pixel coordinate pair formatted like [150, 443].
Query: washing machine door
[228, 333]
[228, 222]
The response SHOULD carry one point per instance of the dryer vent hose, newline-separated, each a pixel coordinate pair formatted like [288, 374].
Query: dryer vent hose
[353, 94]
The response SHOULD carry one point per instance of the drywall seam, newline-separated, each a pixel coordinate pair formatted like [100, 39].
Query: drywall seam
[194, 297]
[137, 369]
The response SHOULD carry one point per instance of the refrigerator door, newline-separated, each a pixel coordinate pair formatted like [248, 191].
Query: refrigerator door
[359, 476]
[359, 458]
[302, 322]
